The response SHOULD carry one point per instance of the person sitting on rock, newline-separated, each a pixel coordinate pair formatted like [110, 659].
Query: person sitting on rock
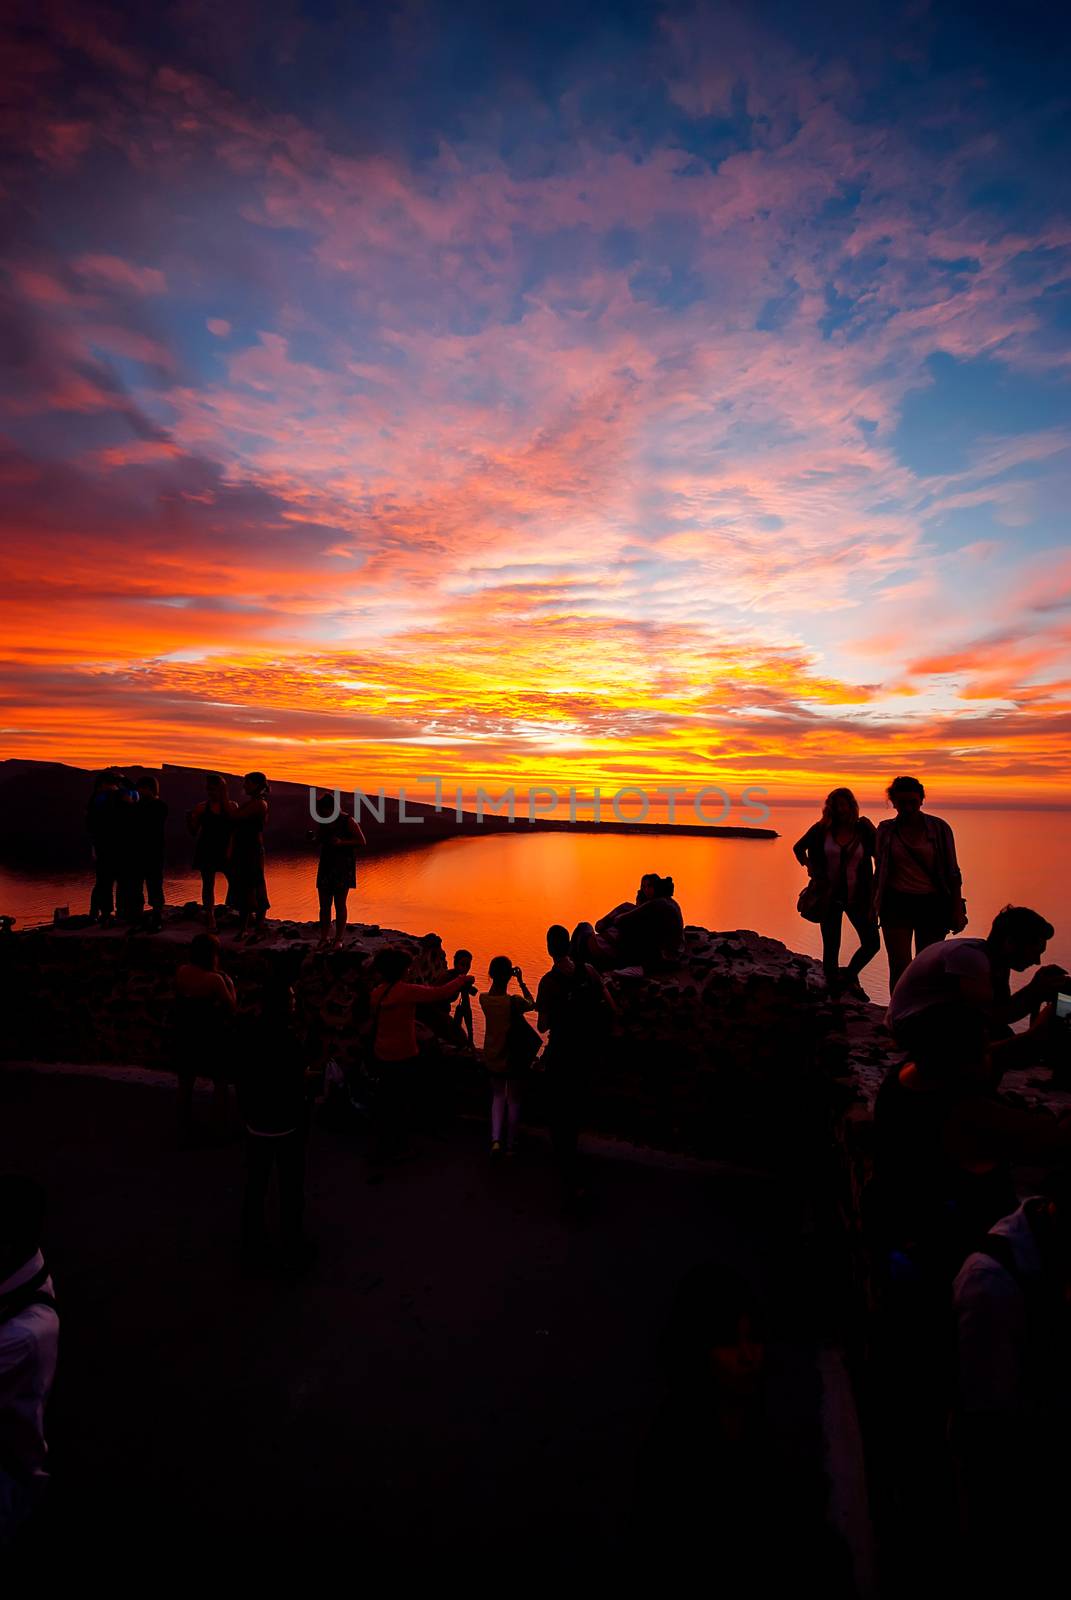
[205, 1003]
[970, 978]
[647, 935]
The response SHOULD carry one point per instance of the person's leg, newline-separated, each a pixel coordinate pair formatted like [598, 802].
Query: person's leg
[104, 888]
[831, 927]
[341, 914]
[866, 930]
[931, 926]
[325, 916]
[498, 1106]
[154, 884]
[259, 1156]
[208, 897]
[898, 949]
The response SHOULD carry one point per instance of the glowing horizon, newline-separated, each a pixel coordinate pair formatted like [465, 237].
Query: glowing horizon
[676, 395]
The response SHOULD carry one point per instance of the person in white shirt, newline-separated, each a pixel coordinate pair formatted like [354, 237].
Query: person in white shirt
[971, 977]
[29, 1336]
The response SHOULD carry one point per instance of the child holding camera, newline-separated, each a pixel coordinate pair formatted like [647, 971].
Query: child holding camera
[502, 1012]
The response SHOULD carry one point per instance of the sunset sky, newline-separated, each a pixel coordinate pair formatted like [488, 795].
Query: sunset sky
[559, 392]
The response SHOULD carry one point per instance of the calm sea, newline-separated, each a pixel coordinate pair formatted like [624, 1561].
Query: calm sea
[497, 895]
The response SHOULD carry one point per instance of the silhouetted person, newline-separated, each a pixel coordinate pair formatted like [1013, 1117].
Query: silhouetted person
[575, 1009]
[1012, 1401]
[274, 1109]
[460, 968]
[393, 1042]
[29, 1338]
[336, 873]
[838, 852]
[205, 1003]
[919, 888]
[108, 820]
[970, 978]
[211, 822]
[247, 891]
[501, 1011]
[717, 1495]
[148, 820]
[647, 934]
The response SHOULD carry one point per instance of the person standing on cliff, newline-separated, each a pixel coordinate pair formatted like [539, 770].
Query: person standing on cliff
[838, 852]
[918, 891]
[247, 892]
[108, 822]
[149, 819]
[210, 823]
[336, 875]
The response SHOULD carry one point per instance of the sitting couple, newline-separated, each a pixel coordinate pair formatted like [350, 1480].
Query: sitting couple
[645, 934]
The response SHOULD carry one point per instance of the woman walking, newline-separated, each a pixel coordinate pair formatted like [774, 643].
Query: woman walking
[248, 891]
[838, 852]
[336, 875]
[919, 889]
[210, 822]
[502, 1011]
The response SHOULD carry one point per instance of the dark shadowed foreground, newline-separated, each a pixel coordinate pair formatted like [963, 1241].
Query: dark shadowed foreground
[464, 1374]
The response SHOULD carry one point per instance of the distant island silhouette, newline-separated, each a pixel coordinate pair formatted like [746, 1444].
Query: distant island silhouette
[43, 804]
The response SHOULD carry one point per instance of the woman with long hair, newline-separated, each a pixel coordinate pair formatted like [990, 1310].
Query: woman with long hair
[838, 852]
[248, 891]
[918, 892]
[210, 822]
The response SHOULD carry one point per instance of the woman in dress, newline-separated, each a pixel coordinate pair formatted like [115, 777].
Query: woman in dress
[248, 892]
[336, 875]
[210, 822]
[838, 852]
[919, 890]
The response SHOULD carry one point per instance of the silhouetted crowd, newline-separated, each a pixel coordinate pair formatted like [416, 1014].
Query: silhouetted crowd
[965, 1389]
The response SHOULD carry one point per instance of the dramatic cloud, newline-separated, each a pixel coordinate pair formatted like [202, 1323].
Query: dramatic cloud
[431, 390]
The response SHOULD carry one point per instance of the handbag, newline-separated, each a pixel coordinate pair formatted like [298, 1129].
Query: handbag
[812, 900]
[523, 1043]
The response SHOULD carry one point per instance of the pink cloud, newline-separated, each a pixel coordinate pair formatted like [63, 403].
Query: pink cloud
[115, 273]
